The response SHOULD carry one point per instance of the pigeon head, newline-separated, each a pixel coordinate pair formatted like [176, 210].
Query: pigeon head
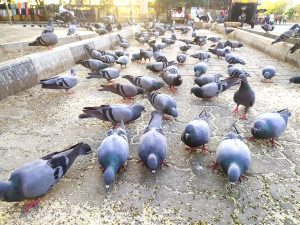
[295, 80]
[73, 71]
[138, 108]
[178, 80]
[109, 176]
[152, 162]
[140, 91]
[227, 51]
[234, 172]
[189, 131]
[197, 91]
[4, 189]
[259, 128]
[173, 112]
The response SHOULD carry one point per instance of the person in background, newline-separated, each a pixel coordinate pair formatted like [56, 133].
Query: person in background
[242, 19]
[283, 19]
[279, 19]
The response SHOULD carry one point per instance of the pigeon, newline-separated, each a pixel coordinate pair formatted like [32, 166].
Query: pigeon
[120, 53]
[200, 68]
[46, 39]
[158, 66]
[136, 57]
[93, 64]
[295, 79]
[269, 72]
[107, 59]
[124, 90]
[234, 59]
[233, 156]
[101, 31]
[146, 54]
[173, 36]
[171, 69]
[201, 41]
[244, 95]
[167, 41]
[153, 143]
[72, 28]
[109, 53]
[214, 39]
[36, 178]
[113, 153]
[184, 48]
[49, 28]
[172, 80]
[211, 90]
[147, 83]
[270, 125]
[201, 55]
[95, 54]
[186, 41]
[124, 44]
[268, 27]
[122, 40]
[295, 47]
[108, 74]
[181, 58]
[197, 132]
[207, 78]
[233, 44]
[219, 52]
[228, 30]
[194, 34]
[114, 113]
[235, 72]
[60, 82]
[219, 45]
[123, 60]
[185, 30]
[164, 103]
[287, 34]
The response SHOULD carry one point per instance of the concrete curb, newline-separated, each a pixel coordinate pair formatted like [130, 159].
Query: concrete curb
[279, 50]
[17, 46]
[23, 73]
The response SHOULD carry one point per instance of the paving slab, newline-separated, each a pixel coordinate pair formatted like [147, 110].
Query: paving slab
[36, 122]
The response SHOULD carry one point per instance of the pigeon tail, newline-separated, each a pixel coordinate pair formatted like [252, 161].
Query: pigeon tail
[234, 172]
[152, 162]
[285, 113]
[35, 43]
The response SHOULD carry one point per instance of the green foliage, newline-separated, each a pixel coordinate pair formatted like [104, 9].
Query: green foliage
[291, 13]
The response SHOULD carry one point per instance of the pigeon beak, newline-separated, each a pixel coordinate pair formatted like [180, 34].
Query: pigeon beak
[106, 186]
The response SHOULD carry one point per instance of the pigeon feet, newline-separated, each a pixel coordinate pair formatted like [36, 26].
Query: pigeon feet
[128, 100]
[214, 165]
[165, 117]
[190, 150]
[123, 168]
[236, 110]
[204, 149]
[32, 204]
[110, 82]
[164, 163]
[244, 117]
[243, 177]
[274, 142]
[251, 138]
[173, 89]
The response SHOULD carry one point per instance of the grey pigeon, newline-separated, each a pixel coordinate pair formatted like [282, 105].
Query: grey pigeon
[295, 47]
[153, 143]
[49, 28]
[197, 132]
[219, 52]
[146, 54]
[167, 41]
[109, 53]
[214, 39]
[269, 72]
[173, 36]
[108, 74]
[164, 103]
[287, 34]
[270, 125]
[268, 27]
[120, 53]
[46, 39]
[295, 79]
[136, 57]
[36, 178]
[211, 90]
[233, 156]
[93, 64]
[95, 54]
[113, 154]
[244, 95]
[201, 55]
[60, 82]
[121, 39]
[124, 90]
[124, 44]
[233, 44]
[123, 60]
[158, 66]
[114, 113]
[234, 59]
[184, 48]
[200, 68]
[228, 30]
[207, 78]
[235, 72]
[72, 28]
[188, 42]
[181, 58]
[201, 41]
[173, 80]
[147, 83]
[107, 59]
[171, 69]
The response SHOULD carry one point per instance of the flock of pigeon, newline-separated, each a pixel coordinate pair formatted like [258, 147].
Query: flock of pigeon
[233, 156]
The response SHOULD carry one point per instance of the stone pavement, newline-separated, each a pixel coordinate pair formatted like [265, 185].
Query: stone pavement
[37, 122]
